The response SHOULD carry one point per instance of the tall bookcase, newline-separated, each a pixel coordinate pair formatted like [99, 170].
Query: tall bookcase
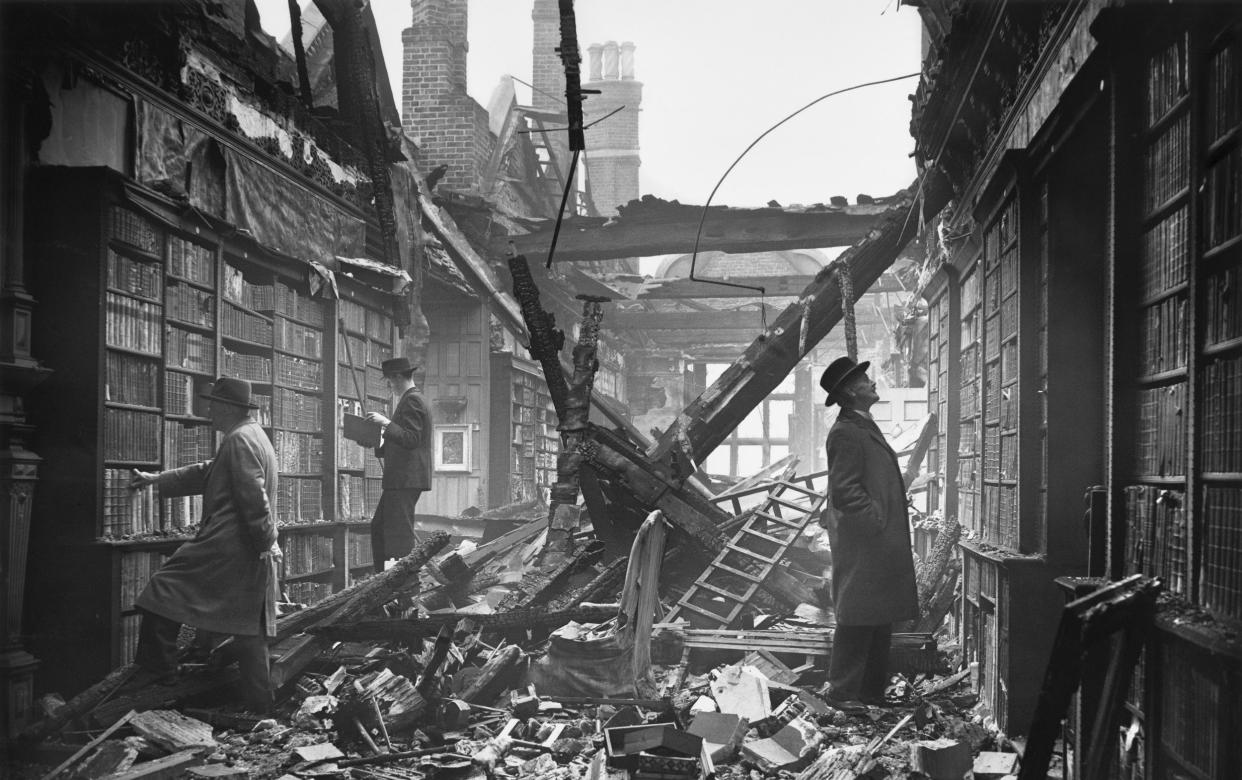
[524, 442]
[1179, 503]
[140, 311]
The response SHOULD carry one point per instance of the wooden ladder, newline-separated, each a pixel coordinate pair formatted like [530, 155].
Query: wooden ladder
[716, 599]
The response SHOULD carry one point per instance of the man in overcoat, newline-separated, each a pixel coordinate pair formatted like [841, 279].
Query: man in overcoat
[224, 581]
[869, 532]
[405, 446]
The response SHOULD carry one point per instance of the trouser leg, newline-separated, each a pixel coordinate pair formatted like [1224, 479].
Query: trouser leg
[847, 666]
[379, 550]
[157, 643]
[255, 670]
[875, 677]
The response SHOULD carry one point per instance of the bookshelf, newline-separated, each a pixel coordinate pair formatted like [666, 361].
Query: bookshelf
[157, 308]
[524, 440]
[969, 384]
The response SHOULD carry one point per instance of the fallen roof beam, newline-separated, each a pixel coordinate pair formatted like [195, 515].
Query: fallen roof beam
[724, 230]
[770, 357]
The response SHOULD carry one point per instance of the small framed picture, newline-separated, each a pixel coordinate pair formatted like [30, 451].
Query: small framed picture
[452, 445]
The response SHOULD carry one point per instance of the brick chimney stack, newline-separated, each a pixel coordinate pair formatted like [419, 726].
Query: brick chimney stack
[435, 108]
[548, 75]
[612, 158]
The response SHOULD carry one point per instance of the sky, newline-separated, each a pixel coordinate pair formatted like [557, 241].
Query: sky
[716, 74]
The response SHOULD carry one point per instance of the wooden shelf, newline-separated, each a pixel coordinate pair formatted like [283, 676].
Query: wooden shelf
[324, 526]
[304, 356]
[133, 407]
[135, 252]
[273, 313]
[138, 352]
[188, 418]
[308, 575]
[1162, 210]
[1162, 376]
[1163, 294]
[1159, 481]
[1221, 476]
[1220, 144]
[1223, 248]
[1221, 347]
[135, 296]
[1167, 117]
[192, 283]
[239, 341]
[245, 308]
[204, 329]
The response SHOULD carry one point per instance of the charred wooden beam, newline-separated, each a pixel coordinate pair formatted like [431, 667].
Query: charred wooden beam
[546, 340]
[402, 629]
[724, 230]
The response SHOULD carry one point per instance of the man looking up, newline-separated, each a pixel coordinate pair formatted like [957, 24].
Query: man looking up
[405, 446]
[869, 533]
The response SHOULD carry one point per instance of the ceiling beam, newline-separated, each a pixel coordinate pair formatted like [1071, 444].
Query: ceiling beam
[697, 320]
[724, 230]
[773, 286]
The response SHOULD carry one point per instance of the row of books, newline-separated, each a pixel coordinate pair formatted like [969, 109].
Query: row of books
[132, 436]
[1165, 254]
[351, 498]
[1222, 550]
[136, 569]
[1194, 700]
[1168, 79]
[132, 276]
[968, 399]
[298, 372]
[1221, 440]
[190, 304]
[1167, 164]
[1000, 455]
[129, 379]
[128, 512]
[1160, 446]
[133, 324]
[1220, 199]
[307, 553]
[181, 393]
[299, 338]
[290, 303]
[259, 297]
[307, 591]
[1164, 336]
[187, 443]
[1222, 304]
[299, 500]
[192, 261]
[135, 230]
[298, 453]
[182, 513]
[359, 549]
[189, 350]
[1000, 520]
[129, 638]
[1224, 106]
[241, 324]
[970, 292]
[1157, 536]
[254, 368]
[359, 319]
[298, 411]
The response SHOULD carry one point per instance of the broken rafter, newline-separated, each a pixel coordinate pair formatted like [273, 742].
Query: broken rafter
[725, 230]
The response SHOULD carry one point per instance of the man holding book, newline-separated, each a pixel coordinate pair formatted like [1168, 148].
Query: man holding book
[224, 580]
[405, 446]
[869, 533]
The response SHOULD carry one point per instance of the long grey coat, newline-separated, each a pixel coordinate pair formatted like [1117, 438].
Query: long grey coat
[868, 527]
[216, 582]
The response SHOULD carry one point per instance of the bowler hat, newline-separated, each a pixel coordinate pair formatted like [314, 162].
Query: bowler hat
[838, 373]
[230, 391]
[397, 365]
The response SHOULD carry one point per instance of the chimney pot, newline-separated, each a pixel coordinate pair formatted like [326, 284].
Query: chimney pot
[627, 60]
[594, 52]
[610, 61]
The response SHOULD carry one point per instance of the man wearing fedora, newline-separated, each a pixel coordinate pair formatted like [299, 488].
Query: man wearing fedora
[405, 446]
[869, 533]
[224, 580]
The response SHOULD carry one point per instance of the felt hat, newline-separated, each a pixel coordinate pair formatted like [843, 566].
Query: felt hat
[397, 365]
[230, 391]
[838, 373]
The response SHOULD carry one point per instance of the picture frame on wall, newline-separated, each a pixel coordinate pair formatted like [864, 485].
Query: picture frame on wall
[452, 447]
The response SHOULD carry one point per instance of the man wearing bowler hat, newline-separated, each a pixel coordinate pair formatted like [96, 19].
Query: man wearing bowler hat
[224, 580]
[405, 446]
[869, 532]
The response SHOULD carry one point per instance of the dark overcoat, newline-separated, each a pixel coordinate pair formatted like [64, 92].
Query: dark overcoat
[217, 582]
[407, 445]
[868, 526]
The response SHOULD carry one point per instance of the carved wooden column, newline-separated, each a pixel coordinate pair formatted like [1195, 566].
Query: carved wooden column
[19, 373]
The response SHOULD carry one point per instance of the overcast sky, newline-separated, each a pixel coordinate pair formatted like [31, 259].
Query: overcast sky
[716, 74]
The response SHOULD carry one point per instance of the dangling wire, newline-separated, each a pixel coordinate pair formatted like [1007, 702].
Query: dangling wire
[703, 216]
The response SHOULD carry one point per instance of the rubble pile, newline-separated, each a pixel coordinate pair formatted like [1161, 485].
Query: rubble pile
[491, 663]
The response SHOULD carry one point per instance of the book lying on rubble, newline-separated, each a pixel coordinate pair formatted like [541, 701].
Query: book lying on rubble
[360, 429]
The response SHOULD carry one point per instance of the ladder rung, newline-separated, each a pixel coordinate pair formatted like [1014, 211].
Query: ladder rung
[724, 619]
[752, 554]
[780, 520]
[739, 573]
[795, 486]
[804, 508]
[752, 532]
[701, 583]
